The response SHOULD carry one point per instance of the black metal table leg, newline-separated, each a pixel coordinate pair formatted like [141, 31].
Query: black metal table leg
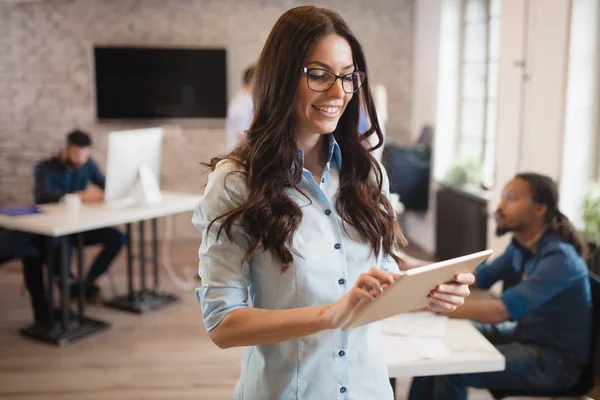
[130, 292]
[142, 259]
[65, 298]
[80, 280]
[155, 253]
[50, 279]
[143, 301]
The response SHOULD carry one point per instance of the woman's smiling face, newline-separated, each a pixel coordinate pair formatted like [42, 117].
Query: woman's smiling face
[319, 112]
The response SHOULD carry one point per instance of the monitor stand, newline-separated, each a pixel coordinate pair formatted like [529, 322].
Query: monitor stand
[145, 191]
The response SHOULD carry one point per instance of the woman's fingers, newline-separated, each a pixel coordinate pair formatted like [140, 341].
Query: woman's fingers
[449, 296]
[372, 284]
[467, 279]
[453, 289]
[449, 299]
[440, 306]
[384, 277]
[362, 294]
[376, 279]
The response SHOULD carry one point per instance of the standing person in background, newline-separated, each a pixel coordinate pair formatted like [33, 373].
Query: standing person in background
[297, 219]
[240, 112]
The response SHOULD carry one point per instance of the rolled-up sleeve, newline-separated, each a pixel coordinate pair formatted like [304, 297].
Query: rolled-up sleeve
[225, 278]
[554, 272]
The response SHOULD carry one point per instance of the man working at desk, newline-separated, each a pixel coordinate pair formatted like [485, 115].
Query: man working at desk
[542, 324]
[73, 171]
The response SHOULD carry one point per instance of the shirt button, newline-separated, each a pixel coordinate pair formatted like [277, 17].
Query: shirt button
[342, 353]
[341, 281]
[327, 212]
[337, 246]
[323, 180]
[343, 390]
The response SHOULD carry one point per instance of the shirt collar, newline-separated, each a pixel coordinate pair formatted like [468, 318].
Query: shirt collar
[535, 243]
[333, 154]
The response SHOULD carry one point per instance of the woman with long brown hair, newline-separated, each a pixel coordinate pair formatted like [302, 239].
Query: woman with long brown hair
[297, 219]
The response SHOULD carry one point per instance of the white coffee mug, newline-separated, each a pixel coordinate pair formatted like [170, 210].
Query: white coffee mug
[72, 203]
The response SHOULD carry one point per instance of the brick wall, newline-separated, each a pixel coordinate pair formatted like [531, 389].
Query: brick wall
[46, 83]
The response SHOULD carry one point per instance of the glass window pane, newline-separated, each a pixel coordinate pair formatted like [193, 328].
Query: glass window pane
[472, 117]
[473, 82]
[489, 165]
[495, 7]
[475, 10]
[475, 43]
[492, 83]
[470, 149]
[490, 121]
[494, 42]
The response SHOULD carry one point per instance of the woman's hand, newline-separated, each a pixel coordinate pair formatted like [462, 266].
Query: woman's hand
[367, 287]
[448, 296]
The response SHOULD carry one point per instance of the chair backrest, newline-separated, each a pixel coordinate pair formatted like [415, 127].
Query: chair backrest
[586, 381]
[13, 244]
[585, 384]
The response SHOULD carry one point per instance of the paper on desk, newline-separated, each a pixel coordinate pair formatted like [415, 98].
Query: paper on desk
[418, 324]
[401, 349]
[414, 336]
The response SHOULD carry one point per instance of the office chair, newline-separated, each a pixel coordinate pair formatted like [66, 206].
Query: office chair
[586, 382]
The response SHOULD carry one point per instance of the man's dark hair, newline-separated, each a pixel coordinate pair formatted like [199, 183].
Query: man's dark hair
[544, 191]
[79, 138]
[248, 74]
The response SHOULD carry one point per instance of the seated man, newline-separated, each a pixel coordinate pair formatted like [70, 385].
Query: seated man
[542, 324]
[73, 171]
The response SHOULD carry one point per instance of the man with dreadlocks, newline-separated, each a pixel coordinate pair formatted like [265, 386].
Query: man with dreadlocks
[542, 323]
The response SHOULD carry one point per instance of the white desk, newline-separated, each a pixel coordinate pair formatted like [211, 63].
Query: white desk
[56, 222]
[470, 352]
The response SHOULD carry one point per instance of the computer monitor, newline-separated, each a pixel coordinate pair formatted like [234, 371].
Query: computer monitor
[133, 167]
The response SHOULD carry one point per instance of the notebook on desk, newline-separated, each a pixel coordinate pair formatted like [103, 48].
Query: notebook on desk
[409, 292]
[22, 210]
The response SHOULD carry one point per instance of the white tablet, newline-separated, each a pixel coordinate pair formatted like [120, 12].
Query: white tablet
[409, 292]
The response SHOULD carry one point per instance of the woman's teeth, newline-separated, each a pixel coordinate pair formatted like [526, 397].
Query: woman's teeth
[329, 110]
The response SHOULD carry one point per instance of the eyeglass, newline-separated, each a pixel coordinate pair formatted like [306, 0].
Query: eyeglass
[321, 80]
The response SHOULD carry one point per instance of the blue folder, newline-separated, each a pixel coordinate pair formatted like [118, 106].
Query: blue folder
[15, 211]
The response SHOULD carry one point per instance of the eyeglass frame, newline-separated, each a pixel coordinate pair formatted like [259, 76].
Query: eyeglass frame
[306, 70]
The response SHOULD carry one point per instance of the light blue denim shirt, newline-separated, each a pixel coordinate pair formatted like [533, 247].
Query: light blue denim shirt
[331, 364]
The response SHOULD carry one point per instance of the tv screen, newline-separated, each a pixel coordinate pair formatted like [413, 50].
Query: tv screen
[151, 83]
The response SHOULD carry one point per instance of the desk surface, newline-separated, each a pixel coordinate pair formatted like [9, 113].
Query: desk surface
[469, 352]
[56, 221]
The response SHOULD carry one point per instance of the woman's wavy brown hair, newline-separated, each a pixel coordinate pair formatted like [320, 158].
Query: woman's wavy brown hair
[270, 160]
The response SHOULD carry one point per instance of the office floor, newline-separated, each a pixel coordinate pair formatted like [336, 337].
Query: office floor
[163, 355]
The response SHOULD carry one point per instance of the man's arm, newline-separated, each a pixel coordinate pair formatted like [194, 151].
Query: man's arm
[96, 176]
[492, 311]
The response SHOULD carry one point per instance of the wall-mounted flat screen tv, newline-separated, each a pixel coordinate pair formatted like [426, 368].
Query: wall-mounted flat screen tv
[158, 83]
